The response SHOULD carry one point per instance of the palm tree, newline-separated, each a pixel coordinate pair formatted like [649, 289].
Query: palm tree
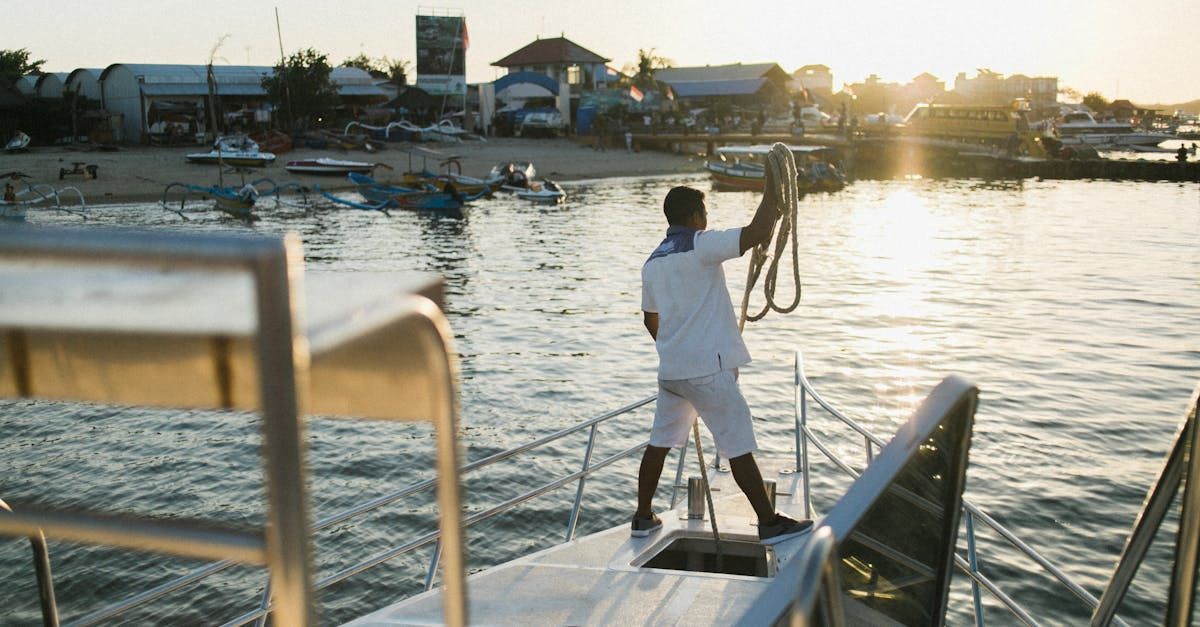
[647, 64]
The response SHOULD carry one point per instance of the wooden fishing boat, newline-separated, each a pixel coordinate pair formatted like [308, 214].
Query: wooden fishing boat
[741, 168]
[237, 201]
[464, 184]
[381, 197]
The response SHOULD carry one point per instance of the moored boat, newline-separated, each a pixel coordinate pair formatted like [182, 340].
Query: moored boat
[513, 175]
[237, 201]
[329, 167]
[15, 202]
[1080, 127]
[381, 197]
[465, 184]
[548, 193]
[18, 142]
[238, 150]
[741, 168]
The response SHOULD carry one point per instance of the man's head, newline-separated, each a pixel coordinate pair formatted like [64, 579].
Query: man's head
[684, 206]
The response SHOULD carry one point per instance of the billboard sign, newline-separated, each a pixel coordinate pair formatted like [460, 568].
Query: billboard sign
[441, 54]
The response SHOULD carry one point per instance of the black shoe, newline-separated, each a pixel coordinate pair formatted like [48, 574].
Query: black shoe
[642, 527]
[782, 528]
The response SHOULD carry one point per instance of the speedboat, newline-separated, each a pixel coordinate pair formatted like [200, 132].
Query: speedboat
[20, 141]
[1079, 127]
[238, 150]
[548, 193]
[330, 167]
[210, 320]
[514, 176]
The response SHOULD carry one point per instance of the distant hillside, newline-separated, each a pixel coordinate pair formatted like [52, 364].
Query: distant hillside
[1190, 107]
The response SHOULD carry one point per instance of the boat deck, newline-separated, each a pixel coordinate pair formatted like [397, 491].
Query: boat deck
[597, 580]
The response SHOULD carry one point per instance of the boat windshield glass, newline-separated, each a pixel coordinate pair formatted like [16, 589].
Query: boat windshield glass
[897, 559]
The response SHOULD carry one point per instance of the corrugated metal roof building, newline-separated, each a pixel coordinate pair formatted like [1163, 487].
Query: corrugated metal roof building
[50, 85]
[131, 89]
[26, 85]
[736, 81]
[86, 83]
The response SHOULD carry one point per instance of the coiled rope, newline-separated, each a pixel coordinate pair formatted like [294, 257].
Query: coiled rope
[781, 165]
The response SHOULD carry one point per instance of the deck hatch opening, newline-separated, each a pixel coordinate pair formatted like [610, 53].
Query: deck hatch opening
[699, 555]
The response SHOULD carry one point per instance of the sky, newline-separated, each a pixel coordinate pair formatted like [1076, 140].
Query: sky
[1120, 49]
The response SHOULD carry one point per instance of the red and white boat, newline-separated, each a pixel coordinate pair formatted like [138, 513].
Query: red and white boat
[330, 167]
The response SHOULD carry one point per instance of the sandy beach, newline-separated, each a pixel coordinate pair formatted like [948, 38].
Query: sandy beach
[139, 173]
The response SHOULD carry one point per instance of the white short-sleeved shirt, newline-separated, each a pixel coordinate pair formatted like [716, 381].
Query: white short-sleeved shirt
[683, 283]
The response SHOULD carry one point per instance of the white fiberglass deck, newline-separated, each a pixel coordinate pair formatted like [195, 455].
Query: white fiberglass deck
[595, 580]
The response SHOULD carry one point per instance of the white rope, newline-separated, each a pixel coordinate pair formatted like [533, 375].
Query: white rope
[712, 511]
[781, 165]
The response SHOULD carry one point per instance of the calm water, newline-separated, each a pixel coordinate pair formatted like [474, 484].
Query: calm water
[1072, 305]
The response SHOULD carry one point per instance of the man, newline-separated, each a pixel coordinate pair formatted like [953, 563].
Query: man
[687, 310]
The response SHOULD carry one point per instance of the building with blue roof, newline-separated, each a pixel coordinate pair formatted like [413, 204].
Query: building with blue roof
[745, 84]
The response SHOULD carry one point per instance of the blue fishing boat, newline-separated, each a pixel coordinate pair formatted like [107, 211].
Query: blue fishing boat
[381, 196]
[236, 201]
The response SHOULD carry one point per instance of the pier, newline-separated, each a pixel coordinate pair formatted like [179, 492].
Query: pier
[886, 155]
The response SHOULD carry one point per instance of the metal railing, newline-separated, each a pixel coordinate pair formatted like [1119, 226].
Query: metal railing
[804, 435]
[280, 360]
[586, 469]
[972, 514]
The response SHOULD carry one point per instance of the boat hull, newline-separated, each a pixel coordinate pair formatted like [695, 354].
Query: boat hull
[1114, 139]
[240, 159]
[329, 167]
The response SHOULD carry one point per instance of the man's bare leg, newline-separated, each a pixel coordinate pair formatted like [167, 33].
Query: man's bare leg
[749, 479]
[648, 475]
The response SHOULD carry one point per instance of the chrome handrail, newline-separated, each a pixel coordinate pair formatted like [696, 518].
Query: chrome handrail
[360, 509]
[433, 536]
[973, 514]
[281, 360]
[41, 567]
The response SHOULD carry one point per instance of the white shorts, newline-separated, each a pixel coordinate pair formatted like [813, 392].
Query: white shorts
[719, 402]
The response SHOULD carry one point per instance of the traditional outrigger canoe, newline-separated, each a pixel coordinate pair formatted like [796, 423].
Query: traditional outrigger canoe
[14, 203]
[381, 197]
[237, 201]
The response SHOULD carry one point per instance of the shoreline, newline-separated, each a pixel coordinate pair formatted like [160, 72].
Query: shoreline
[140, 173]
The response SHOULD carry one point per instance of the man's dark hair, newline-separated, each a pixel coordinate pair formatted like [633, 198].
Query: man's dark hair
[681, 202]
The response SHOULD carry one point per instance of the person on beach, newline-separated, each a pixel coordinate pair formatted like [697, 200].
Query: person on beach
[1181, 155]
[10, 195]
[687, 310]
